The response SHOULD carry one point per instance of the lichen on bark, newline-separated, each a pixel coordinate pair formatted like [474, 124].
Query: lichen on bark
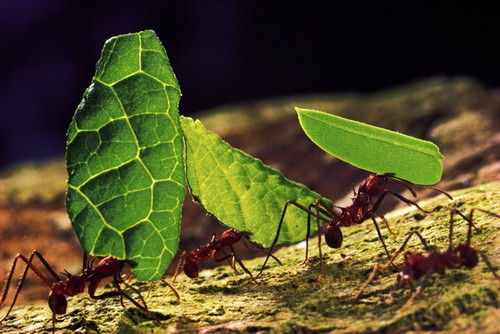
[289, 299]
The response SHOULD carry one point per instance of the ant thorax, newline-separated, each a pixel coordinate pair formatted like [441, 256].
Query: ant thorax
[72, 286]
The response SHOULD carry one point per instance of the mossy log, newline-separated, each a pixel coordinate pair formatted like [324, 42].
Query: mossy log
[458, 114]
[288, 297]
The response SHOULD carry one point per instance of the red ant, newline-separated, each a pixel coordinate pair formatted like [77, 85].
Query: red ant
[418, 265]
[72, 284]
[365, 204]
[215, 249]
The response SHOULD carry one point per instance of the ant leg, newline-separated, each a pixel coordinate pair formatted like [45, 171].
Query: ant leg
[245, 269]
[376, 268]
[386, 223]
[116, 283]
[260, 250]
[380, 237]
[418, 291]
[320, 207]
[401, 198]
[403, 245]
[409, 185]
[489, 265]
[29, 265]
[319, 240]
[308, 230]
[382, 266]
[374, 210]
[469, 220]
[450, 233]
[119, 292]
[471, 225]
[178, 269]
[171, 288]
[275, 241]
[232, 263]
[326, 210]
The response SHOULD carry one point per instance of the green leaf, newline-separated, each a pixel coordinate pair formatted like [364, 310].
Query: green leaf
[240, 190]
[124, 157]
[372, 148]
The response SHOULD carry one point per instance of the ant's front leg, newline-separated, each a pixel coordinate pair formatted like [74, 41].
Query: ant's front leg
[242, 265]
[119, 292]
[29, 265]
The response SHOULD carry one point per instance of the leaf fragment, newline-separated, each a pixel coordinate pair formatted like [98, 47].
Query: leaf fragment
[372, 148]
[124, 157]
[240, 190]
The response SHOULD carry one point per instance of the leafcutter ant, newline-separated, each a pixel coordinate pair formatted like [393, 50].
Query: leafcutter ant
[70, 285]
[365, 204]
[219, 249]
[421, 265]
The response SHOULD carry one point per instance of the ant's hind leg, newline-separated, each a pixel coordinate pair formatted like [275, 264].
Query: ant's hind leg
[489, 265]
[418, 291]
[376, 268]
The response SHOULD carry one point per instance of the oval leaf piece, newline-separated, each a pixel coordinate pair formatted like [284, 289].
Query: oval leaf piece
[124, 157]
[373, 148]
[240, 190]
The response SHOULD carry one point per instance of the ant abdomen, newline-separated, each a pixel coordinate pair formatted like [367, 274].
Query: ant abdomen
[333, 236]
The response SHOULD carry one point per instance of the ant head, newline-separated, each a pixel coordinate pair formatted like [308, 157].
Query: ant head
[190, 268]
[109, 266]
[468, 256]
[333, 236]
[230, 237]
[57, 303]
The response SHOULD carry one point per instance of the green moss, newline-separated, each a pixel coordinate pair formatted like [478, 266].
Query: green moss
[289, 299]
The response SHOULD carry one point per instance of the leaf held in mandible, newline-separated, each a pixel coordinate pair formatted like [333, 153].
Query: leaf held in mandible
[124, 157]
[372, 148]
[241, 191]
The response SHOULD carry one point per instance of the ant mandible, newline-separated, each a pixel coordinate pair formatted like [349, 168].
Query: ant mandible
[73, 284]
[421, 265]
[365, 205]
[216, 249]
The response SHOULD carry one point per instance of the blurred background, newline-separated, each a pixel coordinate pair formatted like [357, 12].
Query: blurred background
[229, 51]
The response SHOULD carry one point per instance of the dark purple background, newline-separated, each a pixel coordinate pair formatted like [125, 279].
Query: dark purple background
[224, 52]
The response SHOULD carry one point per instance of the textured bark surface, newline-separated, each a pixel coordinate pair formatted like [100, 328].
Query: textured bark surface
[457, 114]
[289, 299]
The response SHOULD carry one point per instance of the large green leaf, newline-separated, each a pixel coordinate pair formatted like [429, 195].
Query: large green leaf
[372, 148]
[240, 190]
[124, 157]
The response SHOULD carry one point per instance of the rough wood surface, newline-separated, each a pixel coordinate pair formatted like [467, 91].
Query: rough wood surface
[458, 114]
[289, 299]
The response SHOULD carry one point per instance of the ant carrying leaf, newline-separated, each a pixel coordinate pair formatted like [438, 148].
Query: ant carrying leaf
[220, 249]
[365, 205]
[70, 285]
